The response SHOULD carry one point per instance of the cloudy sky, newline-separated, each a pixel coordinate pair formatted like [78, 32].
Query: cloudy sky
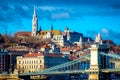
[86, 16]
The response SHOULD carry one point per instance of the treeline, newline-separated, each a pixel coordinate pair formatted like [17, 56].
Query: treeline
[33, 42]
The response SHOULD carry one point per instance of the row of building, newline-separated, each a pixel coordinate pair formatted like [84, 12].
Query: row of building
[27, 60]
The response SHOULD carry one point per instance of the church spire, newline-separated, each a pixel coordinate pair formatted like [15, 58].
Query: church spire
[40, 29]
[80, 43]
[88, 40]
[51, 27]
[34, 11]
[66, 28]
[98, 39]
[34, 23]
[80, 40]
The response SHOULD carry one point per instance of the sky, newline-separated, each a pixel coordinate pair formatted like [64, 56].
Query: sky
[89, 17]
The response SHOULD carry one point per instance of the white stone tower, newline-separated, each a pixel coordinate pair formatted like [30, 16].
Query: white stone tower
[98, 62]
[34, 23]
[80, 41]
[98, 39]
[67, 33]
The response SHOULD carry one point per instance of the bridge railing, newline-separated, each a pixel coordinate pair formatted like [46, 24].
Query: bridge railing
[111, 55]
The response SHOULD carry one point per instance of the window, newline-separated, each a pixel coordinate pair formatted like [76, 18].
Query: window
[40, 66]
[40, 61]
[36, 66]
[36, 61]
[19, 62]
[32, 62]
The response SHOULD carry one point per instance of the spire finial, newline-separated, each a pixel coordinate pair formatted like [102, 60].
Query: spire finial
[40, 28]
[80, 39]
[52, 27]
[66, 28]
[34, 10]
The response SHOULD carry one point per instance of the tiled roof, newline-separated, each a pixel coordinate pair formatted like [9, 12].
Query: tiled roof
[56, 32]
[66, 49]
[70, 48]
[33, 54]
[41, 54]
[78, 48]
[54, 55]
[18, 48]
[23, 34]
[44, 46]
[53, 32]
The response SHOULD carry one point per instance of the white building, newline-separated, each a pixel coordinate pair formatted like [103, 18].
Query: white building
[32, 62]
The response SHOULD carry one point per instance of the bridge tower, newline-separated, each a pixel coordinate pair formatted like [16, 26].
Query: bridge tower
[97, 61]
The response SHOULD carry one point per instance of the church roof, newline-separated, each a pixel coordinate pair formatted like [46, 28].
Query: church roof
[53, 32]
[56, 32]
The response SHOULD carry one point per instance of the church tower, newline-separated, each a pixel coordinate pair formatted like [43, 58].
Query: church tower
[98, 39]
[80, 41]
[34, 23]
[51, 27]
[67, 33]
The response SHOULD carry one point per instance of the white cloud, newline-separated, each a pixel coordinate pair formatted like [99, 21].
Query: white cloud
[104, 30]
[61, 15]
[25, 7]
[49, 8]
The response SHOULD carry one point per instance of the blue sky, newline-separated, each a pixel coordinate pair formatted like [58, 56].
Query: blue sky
[86, 16]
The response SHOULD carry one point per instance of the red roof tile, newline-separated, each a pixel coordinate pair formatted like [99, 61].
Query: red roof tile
[33, 54]
[66, 49]
[54, 55]
[77, 48]
[23, 34]
[70, 48]
[17, 48]
[41, 54]
[44, 46]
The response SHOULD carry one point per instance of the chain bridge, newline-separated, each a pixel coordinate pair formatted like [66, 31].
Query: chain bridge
[97, 62]
[97, 65]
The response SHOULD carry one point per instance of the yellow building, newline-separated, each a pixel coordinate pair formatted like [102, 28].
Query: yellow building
[30, 62]
[33, 62]
[55, 35]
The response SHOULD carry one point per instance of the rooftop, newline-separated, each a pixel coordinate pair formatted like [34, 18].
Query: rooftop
[23, 34]
[53, 32]
[33, 54]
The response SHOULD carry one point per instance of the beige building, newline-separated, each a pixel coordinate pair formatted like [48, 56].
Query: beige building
[30, 63]
[55, 35]
[33, 62]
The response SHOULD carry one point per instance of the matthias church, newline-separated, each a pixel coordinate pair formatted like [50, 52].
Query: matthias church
[57, 36]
